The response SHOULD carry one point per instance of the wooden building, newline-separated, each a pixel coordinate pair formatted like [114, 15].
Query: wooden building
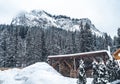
[68, 64]
[116, 54]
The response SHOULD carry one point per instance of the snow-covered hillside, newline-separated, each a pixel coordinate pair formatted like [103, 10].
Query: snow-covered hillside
[44, 19]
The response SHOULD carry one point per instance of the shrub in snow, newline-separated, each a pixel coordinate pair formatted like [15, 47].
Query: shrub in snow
[82, 75]
[113, 70]
[100, 74]
[118, 74]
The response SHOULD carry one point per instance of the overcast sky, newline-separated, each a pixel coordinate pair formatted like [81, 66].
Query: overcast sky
[104, 14]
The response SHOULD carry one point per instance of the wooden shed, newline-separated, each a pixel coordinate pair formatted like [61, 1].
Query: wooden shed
[68, 64]
[116, 54]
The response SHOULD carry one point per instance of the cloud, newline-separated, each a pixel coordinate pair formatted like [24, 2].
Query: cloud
[103, 13]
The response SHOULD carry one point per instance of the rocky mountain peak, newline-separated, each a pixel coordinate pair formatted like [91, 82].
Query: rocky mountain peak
[44, 19]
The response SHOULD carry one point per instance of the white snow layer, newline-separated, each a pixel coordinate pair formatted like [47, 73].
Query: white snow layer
[38, 73]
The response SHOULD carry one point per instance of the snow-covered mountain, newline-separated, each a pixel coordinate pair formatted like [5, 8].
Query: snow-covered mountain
[42, 18]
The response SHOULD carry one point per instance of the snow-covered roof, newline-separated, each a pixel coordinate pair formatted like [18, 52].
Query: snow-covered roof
[80, 54]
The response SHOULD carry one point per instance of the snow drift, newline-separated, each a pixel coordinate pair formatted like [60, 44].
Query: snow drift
[38, 73]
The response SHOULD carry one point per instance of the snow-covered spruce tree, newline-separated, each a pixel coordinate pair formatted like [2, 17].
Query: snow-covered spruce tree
[113, 69]
[107, 41]
[100, 74]
[82, 75]
[118, 38]
[86, 38]
[3, 48]
[43, 46]
[34, 45]
[95, 72]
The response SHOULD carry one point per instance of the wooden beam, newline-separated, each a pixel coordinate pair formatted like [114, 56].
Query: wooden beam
[68, 64]
[74, 64]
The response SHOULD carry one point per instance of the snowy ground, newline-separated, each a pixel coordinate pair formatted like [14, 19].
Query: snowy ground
[38, 73]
